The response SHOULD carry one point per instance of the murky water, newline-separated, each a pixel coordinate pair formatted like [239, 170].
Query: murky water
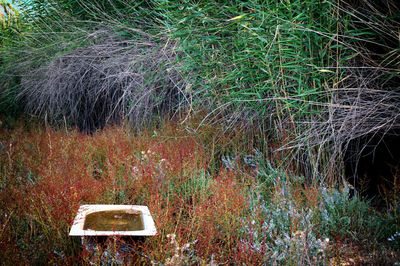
[114, 221]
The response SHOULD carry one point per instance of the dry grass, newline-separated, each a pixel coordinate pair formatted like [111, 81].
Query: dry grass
[111, 79]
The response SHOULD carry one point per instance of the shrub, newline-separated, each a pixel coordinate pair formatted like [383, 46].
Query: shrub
[353, 218]
[281, 230]
[110, 80]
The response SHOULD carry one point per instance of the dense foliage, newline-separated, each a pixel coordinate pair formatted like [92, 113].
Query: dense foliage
[295, 67]
[283, 94]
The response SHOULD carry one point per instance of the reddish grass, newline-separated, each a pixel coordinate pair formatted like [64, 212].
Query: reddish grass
[48, 173]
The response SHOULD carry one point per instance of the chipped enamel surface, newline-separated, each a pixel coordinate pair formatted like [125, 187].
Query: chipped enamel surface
[77, 226]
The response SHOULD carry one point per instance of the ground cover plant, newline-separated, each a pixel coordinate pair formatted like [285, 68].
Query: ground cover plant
[244, 212]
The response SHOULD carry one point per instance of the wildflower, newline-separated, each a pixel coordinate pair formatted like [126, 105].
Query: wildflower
[163, 164]
[135, 170]
[172, 237]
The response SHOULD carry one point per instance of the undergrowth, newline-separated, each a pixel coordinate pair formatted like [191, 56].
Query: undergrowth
[245, 212]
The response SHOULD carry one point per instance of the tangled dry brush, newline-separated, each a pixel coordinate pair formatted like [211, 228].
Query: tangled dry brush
[111, 79]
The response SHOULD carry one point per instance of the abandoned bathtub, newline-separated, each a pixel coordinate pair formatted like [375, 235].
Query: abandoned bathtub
[113, 220]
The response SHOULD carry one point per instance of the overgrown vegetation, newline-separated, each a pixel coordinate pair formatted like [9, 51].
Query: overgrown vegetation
[297, 67]
[112, 79]
[276, 100]
[247, 212]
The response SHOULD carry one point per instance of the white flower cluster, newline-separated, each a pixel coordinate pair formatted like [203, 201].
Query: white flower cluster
[181, 254]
